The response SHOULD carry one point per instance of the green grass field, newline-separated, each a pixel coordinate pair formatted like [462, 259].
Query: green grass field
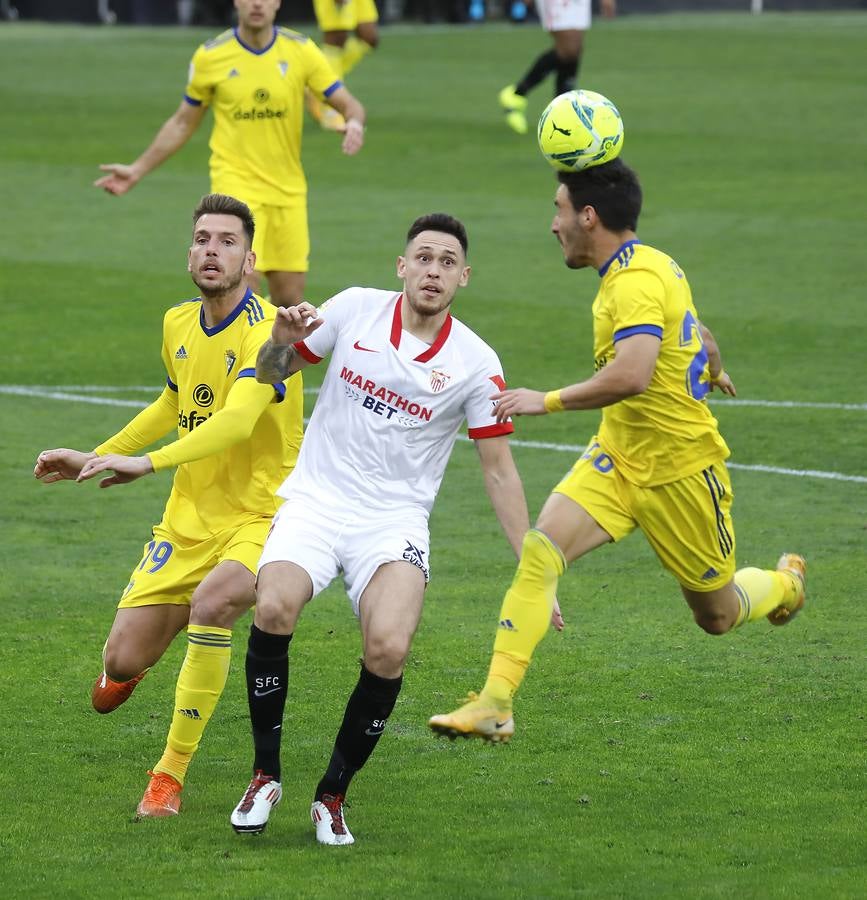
[651, 760]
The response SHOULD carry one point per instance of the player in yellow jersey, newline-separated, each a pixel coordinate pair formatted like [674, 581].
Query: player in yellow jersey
[254, 77]
[350, 31]
[237, 442]
[657, 462]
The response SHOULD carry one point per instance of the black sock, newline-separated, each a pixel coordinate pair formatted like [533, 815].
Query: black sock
[567, 75]
[545, 63]
[364, 721]
[267, 675]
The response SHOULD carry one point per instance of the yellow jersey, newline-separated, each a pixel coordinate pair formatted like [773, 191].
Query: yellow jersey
[226, 488]
[257, 98]
[667, 432]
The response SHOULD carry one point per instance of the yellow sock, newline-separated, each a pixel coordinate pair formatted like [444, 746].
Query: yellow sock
[526, 613]
[334, 55]
[174, 764]
[759, 592]
[200, 684]
[354, 50]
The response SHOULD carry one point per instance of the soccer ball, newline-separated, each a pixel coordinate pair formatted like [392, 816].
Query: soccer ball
[580, 129]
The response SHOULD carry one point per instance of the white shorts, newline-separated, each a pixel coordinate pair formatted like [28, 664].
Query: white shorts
[325, 543]
[564, 15]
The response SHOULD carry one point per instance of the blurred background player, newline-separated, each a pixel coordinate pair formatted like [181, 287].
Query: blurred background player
[657, 463]
[237, 440]
[402, 378]
[350, 31]
[566, 21]
[254, 76]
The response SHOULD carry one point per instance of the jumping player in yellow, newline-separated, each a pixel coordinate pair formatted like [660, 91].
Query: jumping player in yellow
[350, 31]
[237, 441]
[656, 464]
[254, 77]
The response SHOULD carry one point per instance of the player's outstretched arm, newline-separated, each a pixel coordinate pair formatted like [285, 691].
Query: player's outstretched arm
[175, 132]
[628, 374]
[123, 469]
[351, 110]
[61, 464]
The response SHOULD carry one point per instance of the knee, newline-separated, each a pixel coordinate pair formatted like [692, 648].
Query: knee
[218, 609]
[386, 656]
[286, 296]
[274, 614]
[120, 664]
[369, 33]
[713, 622]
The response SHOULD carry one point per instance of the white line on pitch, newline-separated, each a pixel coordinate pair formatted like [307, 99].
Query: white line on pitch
[575, 449]
[153, 389]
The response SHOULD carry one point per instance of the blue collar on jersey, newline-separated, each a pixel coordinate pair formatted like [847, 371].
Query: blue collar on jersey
[620, 250]
[210, 332]
[253, 49]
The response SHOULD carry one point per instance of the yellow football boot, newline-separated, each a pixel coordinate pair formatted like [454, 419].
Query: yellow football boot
[793, 602]
[480, 716]
[514, 106]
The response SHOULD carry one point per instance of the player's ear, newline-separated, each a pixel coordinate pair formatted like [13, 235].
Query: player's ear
[190, 260]
[401, 267]
[465, 276]
[250, 263]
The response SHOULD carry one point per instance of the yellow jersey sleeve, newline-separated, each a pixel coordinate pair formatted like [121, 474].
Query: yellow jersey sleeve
[637, 301]
[200, 81]
[233, 423]
[321, 78]
[152, 423]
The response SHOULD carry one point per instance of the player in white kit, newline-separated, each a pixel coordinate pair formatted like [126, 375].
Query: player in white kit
[566, 21]
[402, 378]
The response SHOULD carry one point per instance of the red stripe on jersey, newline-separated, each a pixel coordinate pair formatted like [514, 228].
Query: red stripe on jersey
[489, 431]
[306, 352]
[435, 347]
[396, 324]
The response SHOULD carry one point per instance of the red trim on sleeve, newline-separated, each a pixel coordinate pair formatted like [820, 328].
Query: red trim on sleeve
[489, 431]
[306, 352]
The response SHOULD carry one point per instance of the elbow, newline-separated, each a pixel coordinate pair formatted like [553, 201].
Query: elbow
[242, 431]
[634, 383]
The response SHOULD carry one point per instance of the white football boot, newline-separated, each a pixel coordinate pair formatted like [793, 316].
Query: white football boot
[327, 815]
[250, 816]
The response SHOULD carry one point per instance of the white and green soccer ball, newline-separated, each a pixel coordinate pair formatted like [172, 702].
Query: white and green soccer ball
[580, 129]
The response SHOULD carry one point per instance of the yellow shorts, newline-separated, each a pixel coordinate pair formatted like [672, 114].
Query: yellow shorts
[334, 16]
[687, 522]
[282, 239]
[172, 567]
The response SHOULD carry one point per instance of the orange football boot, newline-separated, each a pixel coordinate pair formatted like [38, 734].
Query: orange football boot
[162, 797]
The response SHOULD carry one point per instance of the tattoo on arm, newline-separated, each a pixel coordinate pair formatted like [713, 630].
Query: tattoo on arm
[274, 362]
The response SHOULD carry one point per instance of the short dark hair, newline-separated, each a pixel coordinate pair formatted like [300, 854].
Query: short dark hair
[439, 222]
[612, 189]
[223, 204]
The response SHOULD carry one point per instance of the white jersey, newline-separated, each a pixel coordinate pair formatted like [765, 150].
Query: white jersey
[390, 406]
